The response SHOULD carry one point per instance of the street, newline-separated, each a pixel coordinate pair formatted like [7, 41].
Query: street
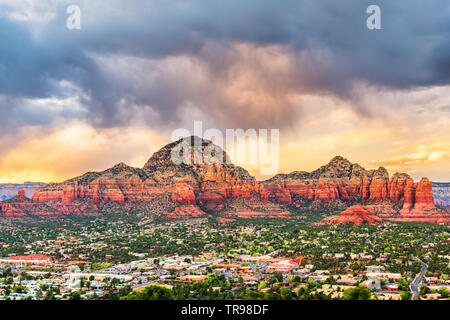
[415, 284]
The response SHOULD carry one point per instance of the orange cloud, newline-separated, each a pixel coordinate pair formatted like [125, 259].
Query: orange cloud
[76, 149]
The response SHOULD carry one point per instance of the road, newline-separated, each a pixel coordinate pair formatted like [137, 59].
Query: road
[272, 254]
[414, 286]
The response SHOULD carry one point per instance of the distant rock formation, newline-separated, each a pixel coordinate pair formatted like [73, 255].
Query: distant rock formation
[20, 206]
[441, 194]
[9, 190]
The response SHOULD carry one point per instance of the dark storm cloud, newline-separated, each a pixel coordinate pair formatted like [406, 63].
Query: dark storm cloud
[412, 49]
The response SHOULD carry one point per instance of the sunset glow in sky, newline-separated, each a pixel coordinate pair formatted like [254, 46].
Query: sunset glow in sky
[73, 101]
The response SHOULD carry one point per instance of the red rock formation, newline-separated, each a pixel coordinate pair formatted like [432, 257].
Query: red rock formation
[21, 194]
[397, 186]
[9, 211]
[20, 206]
[208, 184]
[424, 195]
[357, 214]
[186, 211]
[226, 220]
[418, 197]
[435, 218]
[338, 180]
[214, 182]
[342, 180]
[183, 194]
[378, 188]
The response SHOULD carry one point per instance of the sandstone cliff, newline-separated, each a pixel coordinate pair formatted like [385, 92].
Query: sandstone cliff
[342, 180]
[213, 184]
[161, 186]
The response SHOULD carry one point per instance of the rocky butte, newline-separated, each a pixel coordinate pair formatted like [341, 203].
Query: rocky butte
[356, 214]
[341, 183]
[160, 188]
[164, 188]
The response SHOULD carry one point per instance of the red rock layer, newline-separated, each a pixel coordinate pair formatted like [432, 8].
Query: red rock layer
[186, 211]
[418, 197]
[9, 211]
[20, 206]
[342, 180]
[435, 218]
[207, 184]
[210, 185]
[355, 215]
[257, 214]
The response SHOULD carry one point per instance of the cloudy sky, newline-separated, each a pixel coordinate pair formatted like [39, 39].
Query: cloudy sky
[79, 100]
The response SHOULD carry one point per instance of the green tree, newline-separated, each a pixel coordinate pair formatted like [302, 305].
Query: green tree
[357, 293]
[405, 295]
[75, 296]
[152, 292]
[262, 285]
[444, 292]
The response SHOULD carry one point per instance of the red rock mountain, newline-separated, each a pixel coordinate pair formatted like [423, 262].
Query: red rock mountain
[357, 214]
[340, 180]
[161, 187]
[165, 188]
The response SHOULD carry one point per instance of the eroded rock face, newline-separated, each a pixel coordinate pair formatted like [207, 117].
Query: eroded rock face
[418, 198]
[203, 176]
[357, 214]
[20, 206]
[339, 179]
[342, 180]
[397, 186]
[424, 195]
[207, 183]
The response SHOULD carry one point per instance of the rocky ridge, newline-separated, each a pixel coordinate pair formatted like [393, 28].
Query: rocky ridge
[188, 188]
[161, 187]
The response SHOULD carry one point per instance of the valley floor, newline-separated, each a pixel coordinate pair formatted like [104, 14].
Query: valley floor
[124, 257]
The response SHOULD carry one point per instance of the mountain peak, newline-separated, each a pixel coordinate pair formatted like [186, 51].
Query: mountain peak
[339, 158]
[337, 167]
[120, 166]
[339, 161]
[192, 151]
